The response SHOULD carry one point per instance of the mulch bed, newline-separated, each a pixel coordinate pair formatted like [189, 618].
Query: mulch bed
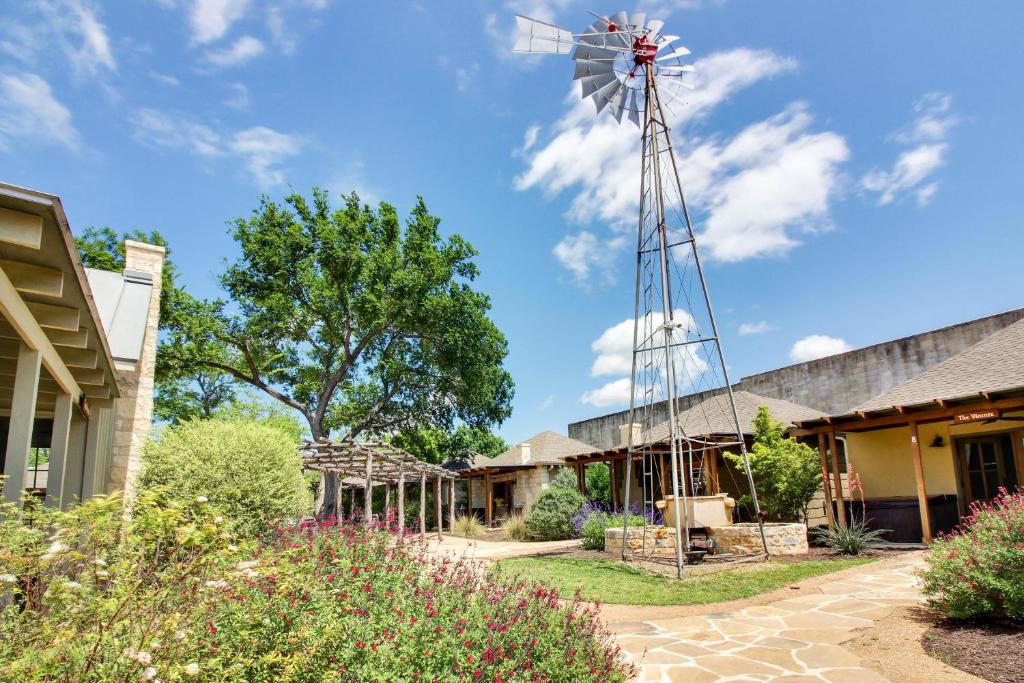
[993, 651]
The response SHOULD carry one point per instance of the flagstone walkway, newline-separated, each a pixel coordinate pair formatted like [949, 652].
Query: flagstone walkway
[793, 639]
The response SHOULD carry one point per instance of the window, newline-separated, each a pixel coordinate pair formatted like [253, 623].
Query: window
[38, 468]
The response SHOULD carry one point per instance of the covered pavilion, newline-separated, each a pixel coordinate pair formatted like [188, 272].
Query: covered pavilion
[363, 465]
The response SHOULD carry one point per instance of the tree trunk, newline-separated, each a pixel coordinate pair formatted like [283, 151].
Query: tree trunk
[331, 495]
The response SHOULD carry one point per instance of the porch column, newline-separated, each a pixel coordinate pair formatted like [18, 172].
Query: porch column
[469, 496]
[841, 505]
[614, 477]
[712, 471]
[423, 506]
[96, 431]
[826, 486]
[437, 507]
[58, 449]
[23, 415]
[664, 478]
[401, 501]
[922, 494]
[351, 503]
[581, 481]
[387, 505]
[451, 506]
[488, 499]
[368, 499]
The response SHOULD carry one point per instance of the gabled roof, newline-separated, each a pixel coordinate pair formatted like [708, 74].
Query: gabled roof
[714, 416]
[993, 365]
[546, 448]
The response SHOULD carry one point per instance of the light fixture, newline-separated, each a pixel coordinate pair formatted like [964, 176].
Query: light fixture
[937, 442]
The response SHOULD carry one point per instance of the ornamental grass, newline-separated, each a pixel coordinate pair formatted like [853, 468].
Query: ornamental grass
[170, 595]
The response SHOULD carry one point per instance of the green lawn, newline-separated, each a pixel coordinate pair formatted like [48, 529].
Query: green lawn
[611, 581]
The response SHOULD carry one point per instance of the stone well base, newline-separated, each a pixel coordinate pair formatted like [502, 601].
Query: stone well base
[744, 539]
[738, 539]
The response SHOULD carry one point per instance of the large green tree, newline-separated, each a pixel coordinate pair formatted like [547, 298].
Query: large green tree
[435, 445]
[181, 394]
[360, 324]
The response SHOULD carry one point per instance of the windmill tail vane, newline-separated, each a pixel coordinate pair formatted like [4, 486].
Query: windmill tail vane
[627, 66]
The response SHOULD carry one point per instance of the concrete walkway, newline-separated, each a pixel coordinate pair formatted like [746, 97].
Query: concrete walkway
[484, 550]
[791, 639]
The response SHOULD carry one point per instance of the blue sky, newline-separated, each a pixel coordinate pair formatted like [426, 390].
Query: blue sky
[855, 169]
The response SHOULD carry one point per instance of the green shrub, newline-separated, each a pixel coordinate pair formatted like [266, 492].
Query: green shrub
[591, 522]
[550, 516]
[565, 478]
[849, 540]
[515, 528]
[251, 472]
[978, 571]
[87, 595]
[468, 526]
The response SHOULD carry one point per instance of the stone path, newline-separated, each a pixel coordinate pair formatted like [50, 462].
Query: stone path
[793, 639]
[485, 550]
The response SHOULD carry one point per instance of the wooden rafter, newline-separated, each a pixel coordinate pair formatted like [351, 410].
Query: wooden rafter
[350, 459]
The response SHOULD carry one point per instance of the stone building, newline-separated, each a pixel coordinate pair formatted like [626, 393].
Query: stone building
[77, 356]
[508, 483]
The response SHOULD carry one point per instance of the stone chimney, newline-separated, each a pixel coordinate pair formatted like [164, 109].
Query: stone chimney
[626, 431]
[134, 418]
[524, 453]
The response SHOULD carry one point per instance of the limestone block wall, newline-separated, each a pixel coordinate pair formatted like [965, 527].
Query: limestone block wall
[744, 539]
[134, 410]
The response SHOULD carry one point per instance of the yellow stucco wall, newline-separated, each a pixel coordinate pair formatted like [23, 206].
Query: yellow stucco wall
[883, 459]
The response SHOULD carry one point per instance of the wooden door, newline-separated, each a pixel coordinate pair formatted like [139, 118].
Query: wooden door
[986, 464]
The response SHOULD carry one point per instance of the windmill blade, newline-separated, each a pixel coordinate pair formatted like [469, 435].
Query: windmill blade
[591, 84]
[586, 67]
[653, 28]
[678, 52]
[593, 53]
[676, 79]
[618, 103]
[680, 69]
[634, 108]
[663, 41]
[636, 21]
[542, 37]
[603, 96]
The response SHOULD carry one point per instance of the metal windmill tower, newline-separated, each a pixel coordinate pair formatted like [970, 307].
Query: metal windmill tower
[627, 66]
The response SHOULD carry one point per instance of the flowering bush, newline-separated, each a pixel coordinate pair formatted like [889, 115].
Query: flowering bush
[250, 471]
[978, 570]
[591, 521]
[168, 597]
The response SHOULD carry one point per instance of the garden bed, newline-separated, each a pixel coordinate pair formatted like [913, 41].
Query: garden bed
[987, 650]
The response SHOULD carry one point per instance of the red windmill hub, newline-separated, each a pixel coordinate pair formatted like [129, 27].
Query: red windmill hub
[644, 51]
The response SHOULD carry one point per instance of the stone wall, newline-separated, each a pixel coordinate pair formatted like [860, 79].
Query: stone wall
[744, 539]
[134, 418]
[834, 384]
[649, 541]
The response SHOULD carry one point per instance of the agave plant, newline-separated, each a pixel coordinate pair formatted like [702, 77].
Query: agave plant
[851, 539]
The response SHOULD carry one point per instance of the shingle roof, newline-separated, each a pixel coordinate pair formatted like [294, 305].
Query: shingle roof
[994, 364]
[546, 448]
[714, 415]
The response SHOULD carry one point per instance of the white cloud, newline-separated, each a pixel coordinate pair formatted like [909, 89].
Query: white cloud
[584, 253]
[166, 79]
[759, 327]
[547, 402]
[260, 149]
[353, 177]
[71, 27]
[211, 19]
[239, 52]
[264, 149]
[29, 110]
[464, 76]
[755, 192]
[612, 393]
[817, 346]
[928, 134]
[238, 96]
[529, 139]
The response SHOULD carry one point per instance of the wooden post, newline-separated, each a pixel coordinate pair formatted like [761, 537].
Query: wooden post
[423, 506]
[23, 413]
[614, 477]
[368, 502]
[840, 503]
[488, 500]
[401, 500]
[581, 482]
[437, 507]
[469, 496]
[664, 478]
[387, 506]
[351, 501]
[339, 492]
[922, 494]
[714, 488]
[826, 485]
[451, 506]
[58, 449]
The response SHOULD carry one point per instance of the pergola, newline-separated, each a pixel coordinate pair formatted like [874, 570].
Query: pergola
[363, 465]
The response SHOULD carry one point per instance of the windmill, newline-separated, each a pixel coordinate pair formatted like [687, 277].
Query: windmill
[627, 66]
